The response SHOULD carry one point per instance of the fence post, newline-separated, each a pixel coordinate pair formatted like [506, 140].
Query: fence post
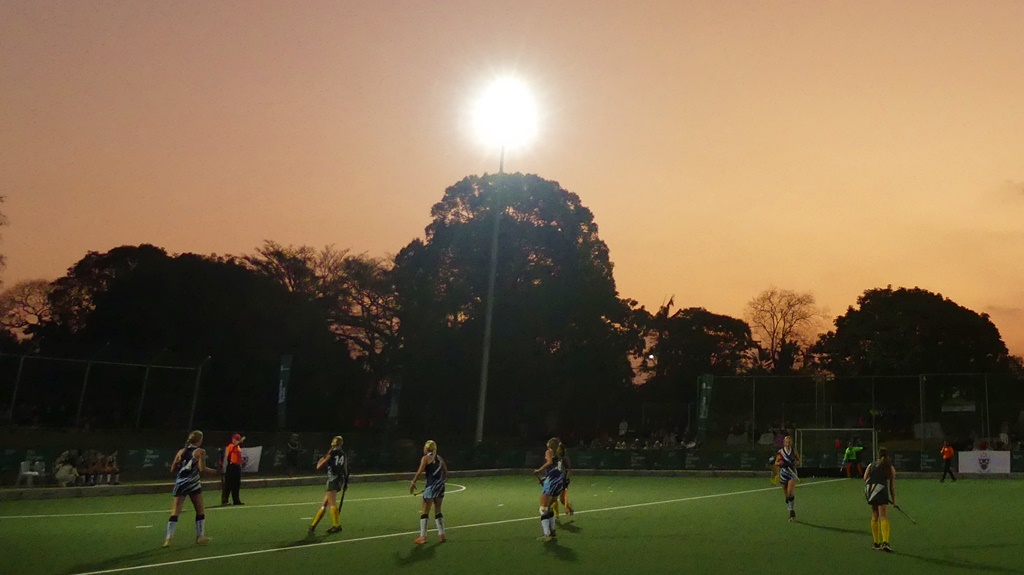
[17, 381]
[142, 399]
[81, 397]
[753, 409]
[195, 392]
[988, 415]
[921, 379]
[874, 410]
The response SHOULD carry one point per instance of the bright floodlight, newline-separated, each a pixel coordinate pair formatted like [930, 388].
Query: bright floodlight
[506, 114]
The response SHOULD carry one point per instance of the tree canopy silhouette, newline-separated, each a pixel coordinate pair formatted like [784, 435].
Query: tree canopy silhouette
[137, 302]
[561, 335]
[908, 332]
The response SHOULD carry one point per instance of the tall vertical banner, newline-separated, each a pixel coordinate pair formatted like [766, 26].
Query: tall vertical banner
[704, 406]
[282, 390]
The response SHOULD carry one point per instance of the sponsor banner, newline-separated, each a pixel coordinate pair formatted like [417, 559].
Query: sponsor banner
[251, 459]
[984, 462]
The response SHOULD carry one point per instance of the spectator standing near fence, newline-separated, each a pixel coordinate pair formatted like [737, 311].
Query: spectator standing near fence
[232, 471]
[947, 461]
[292, 456]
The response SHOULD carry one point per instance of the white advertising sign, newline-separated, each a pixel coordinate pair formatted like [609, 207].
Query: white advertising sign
[984, 462]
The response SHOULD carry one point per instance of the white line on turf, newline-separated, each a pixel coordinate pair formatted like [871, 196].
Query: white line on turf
[143, 526]
[448, 528]
[209, 509]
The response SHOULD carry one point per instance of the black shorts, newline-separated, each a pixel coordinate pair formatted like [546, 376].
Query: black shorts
[335, 485]
[876, 494]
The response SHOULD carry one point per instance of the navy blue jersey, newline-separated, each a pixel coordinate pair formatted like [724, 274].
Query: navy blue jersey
[434, 471]
[787, 456]
[557, 467]
[336, 466]
[187, 480]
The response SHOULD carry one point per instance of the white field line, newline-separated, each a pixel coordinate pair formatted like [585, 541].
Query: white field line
[209, 509]
[410, 533]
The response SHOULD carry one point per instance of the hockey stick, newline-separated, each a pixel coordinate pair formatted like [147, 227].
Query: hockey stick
[900, 509]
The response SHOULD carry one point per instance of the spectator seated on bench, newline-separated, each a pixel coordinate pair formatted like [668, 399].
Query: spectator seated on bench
[64, 471]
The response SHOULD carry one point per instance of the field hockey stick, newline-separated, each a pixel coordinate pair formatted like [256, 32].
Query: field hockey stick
[420, 492]
[342, 500]
[900, 509]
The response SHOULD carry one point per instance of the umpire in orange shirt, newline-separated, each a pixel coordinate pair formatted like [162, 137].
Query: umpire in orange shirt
[232, 470]
[947, 462]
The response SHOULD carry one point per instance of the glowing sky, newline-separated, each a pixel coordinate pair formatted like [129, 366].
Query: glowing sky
[819, 146]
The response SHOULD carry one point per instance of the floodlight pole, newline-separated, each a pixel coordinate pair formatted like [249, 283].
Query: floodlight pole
[485, 361]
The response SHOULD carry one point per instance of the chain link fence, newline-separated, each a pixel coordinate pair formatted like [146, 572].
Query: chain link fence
[38, 391]
[908, 412]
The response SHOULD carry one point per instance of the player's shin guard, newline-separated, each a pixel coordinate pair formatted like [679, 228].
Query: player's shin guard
[319, 515]
[884, 525]
[439, 522]
[544, 527]
[791, 502]
[172, 525]
[876, 534]
[200, 525]
[423, 525]
[336, 516]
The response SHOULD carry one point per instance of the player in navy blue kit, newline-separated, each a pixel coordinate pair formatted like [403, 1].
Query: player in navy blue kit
[786, 461]
[551, 485]
[337, 480]
[188, 467]
[435, 471]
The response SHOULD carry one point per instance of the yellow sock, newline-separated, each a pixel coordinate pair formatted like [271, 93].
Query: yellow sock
[336, 516]
[875, 535]
[319, 516]
[885, 530]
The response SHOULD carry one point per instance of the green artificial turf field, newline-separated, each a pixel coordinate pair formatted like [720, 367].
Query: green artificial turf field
[623, 525]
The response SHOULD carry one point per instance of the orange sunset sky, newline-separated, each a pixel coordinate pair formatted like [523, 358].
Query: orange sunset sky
[723, 146]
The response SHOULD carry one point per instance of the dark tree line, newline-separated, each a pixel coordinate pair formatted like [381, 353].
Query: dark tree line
[372, 339]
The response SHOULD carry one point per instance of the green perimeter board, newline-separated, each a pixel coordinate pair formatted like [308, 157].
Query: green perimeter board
[623, 524]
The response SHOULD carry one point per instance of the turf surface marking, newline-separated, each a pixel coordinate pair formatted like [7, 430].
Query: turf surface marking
[452, 528]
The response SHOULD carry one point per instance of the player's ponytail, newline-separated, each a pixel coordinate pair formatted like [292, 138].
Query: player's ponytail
[431, 446]
[560, 450]
[883, 460]
[194, 438]
[337, 441]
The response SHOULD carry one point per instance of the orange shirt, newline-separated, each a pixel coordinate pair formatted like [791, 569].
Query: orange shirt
[233, 454]
[947, 452]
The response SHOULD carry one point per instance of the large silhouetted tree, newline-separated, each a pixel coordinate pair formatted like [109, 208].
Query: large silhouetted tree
[137, 303]
[357, 296]
[784, 323]
[908, 332]
[561, 335]
[691, 342]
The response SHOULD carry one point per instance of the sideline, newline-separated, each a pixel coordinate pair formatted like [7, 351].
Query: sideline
[452, 528]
